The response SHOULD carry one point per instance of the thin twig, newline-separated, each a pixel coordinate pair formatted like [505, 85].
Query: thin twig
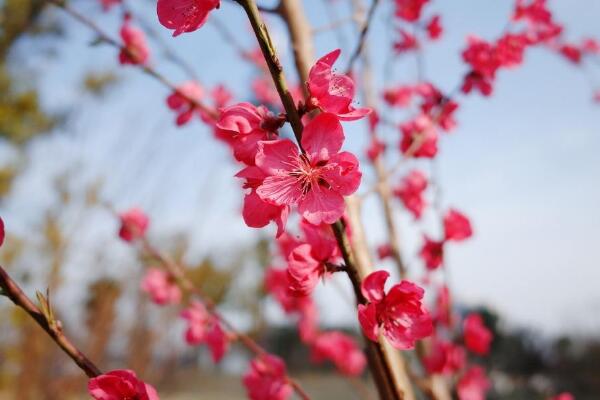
[209, 111]
[362, 36]
[52, 326]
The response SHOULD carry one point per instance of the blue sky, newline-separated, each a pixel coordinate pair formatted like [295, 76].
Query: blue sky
[523, 164]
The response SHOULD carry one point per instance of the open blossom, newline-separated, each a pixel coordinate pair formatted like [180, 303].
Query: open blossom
[267, 379]
[481, 56]
[120, 384]
[410, 191]
[341, 350]
[315, 181]
[444, 357]
[184, 15]
[432, 253]
[475, 80]
[180, 101]
[419, 137]
[307, 263]
[398, 314]
[407, 42]
[541, 27]
[202, 327]
[590, 46]
[473, 384]
[331, 92]
[434, 28]
[161, 287]
[457, 226]
[135, 50]
[510, 49]
[410, 10]
[134, 223]
[477, 336]
[242, 126]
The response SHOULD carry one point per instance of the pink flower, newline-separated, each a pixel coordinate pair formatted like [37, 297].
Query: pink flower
[432, 253]
[332, 93]
[399, 96]
[409, 10]
[134, 224]
[375, 149]
[108, 4]
[571, 53]
[563, 396]
[477, 336]
[307, 263]
[184, 15]
[135, 49]
[444, 358]
[410, 191]
[384, 251]
[242, 126]
[478, 81]
[221, 96]
[419, 138]
[202, 327]
[316, 181]
[120, 384]
[510, 49]
[407, 42]
[161, 287]
[258, 213]
[278, 285]
[267, 379]
[597, 96]
[197, 318]
[541, 27]
[434, 28]
[482, 57]
[439, 108]
[398, 314]
[1, 231]
[473, 384]
[341, 350]
[457, 226]
[179, 101]
[590, 46]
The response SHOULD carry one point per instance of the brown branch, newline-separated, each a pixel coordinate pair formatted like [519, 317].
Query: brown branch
[47, 322]
[382, 367]
[104, 37]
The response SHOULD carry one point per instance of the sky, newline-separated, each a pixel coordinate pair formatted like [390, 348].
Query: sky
[522, 164]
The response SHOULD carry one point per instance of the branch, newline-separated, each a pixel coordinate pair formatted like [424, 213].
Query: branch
[47, 322]
[210, 111]
[178, 272]
[379, 356]
[363, 36]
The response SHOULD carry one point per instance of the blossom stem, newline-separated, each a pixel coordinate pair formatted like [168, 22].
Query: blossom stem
[52, 327]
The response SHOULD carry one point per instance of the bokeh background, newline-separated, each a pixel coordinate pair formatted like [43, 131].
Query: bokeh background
[78, 131]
